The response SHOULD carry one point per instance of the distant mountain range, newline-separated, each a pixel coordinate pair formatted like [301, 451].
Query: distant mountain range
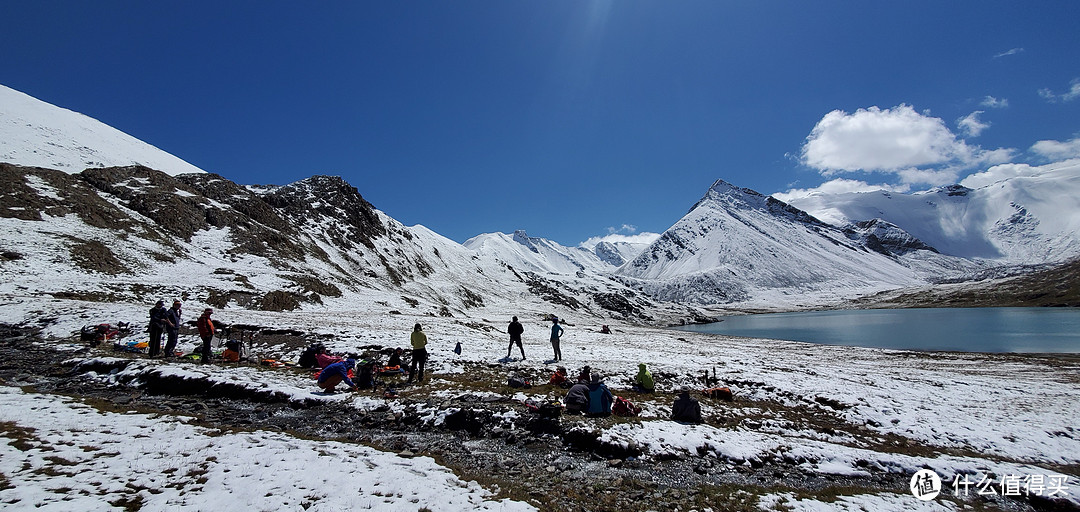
[139, 223]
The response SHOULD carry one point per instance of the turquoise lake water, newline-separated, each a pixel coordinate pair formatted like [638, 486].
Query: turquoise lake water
[1024, 330]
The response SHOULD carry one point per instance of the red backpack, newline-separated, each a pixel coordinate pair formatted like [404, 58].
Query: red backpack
[624, 407]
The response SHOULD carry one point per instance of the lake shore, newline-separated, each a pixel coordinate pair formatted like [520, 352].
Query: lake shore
[810, 423]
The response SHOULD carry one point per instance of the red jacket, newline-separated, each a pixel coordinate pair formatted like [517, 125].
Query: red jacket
[206, 326]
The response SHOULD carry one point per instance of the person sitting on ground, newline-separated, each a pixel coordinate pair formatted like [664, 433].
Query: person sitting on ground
[559, 377]
[685, 408]
[600, 398]
[365, 375]
[395, 358]
[605, 329]
[322, 360]
[335, 374]
[643, 382]
[577, 399]
[585, 374]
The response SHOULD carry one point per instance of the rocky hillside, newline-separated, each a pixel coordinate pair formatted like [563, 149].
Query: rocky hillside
[137, 234]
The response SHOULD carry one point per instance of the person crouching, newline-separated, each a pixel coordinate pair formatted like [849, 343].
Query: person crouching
[335, 374]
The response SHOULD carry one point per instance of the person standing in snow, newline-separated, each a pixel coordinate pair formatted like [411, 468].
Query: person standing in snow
[172, 328]
[556, 333]
[685, 408]
[514, 330]
[206, 332]
[335, 374]
[157, 327]
[419, 354]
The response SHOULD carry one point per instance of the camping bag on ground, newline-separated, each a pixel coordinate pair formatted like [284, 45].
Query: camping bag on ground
[518, 382]
[624, 407]
[307, 358]
[720, 393]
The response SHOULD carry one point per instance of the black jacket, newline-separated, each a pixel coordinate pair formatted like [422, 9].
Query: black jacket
[515, 329]
[686, 409]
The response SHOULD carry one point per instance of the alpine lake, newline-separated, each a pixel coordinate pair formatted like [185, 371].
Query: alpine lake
[1016, 330]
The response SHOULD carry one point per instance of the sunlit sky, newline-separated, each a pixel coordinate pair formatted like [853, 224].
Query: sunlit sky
[568, 119]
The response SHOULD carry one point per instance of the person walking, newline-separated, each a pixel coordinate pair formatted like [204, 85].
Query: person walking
[206, 332]
[419, 354]
[157, 327]
[172, 328]
[515, 329]
[556, 333]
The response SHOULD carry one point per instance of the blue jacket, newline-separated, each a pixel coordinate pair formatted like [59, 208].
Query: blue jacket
[173, 316]
[599, 399]
[556, 331]
[339, 368]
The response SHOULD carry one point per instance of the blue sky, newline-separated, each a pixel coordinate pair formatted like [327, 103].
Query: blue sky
[569, 119]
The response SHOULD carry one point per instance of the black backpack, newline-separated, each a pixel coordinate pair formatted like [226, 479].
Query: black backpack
[307, 357]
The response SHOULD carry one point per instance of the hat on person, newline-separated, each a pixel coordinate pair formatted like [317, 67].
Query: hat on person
[595, 377]
[350, 363]
[684, 389]
[208, 310]
[160, 303]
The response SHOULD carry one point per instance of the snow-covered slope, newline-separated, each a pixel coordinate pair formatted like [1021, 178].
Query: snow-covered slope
[1023, 219]
[617, 249]
[536, 254]
[39, 134]
[739, 245]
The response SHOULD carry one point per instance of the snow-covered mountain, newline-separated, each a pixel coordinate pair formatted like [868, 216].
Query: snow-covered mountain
[1023, 219]
[130, 232]
[39, 134]
[738, 245]
[537, 254]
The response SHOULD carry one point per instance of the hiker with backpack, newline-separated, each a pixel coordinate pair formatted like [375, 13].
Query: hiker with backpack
[172, 328]
[335, 374]
[157, 327]
[206, 332]
[600, 397]
[556, 333]
[419, 354]
[514, 330]
[643, 382]
[686, 409]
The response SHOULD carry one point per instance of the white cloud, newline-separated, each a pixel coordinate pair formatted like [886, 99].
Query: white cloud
[935, 177]
[836, 186]
[1057, 150]
[1071, 94]
[643, 238]
[1006, 53]
[992, 102]
[914, 146]
[971, 126]
[1006, 171]
[625, 228]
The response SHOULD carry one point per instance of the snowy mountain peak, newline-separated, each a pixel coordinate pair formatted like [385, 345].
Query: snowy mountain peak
[733, 198]
[521, 237]
[38, 134]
